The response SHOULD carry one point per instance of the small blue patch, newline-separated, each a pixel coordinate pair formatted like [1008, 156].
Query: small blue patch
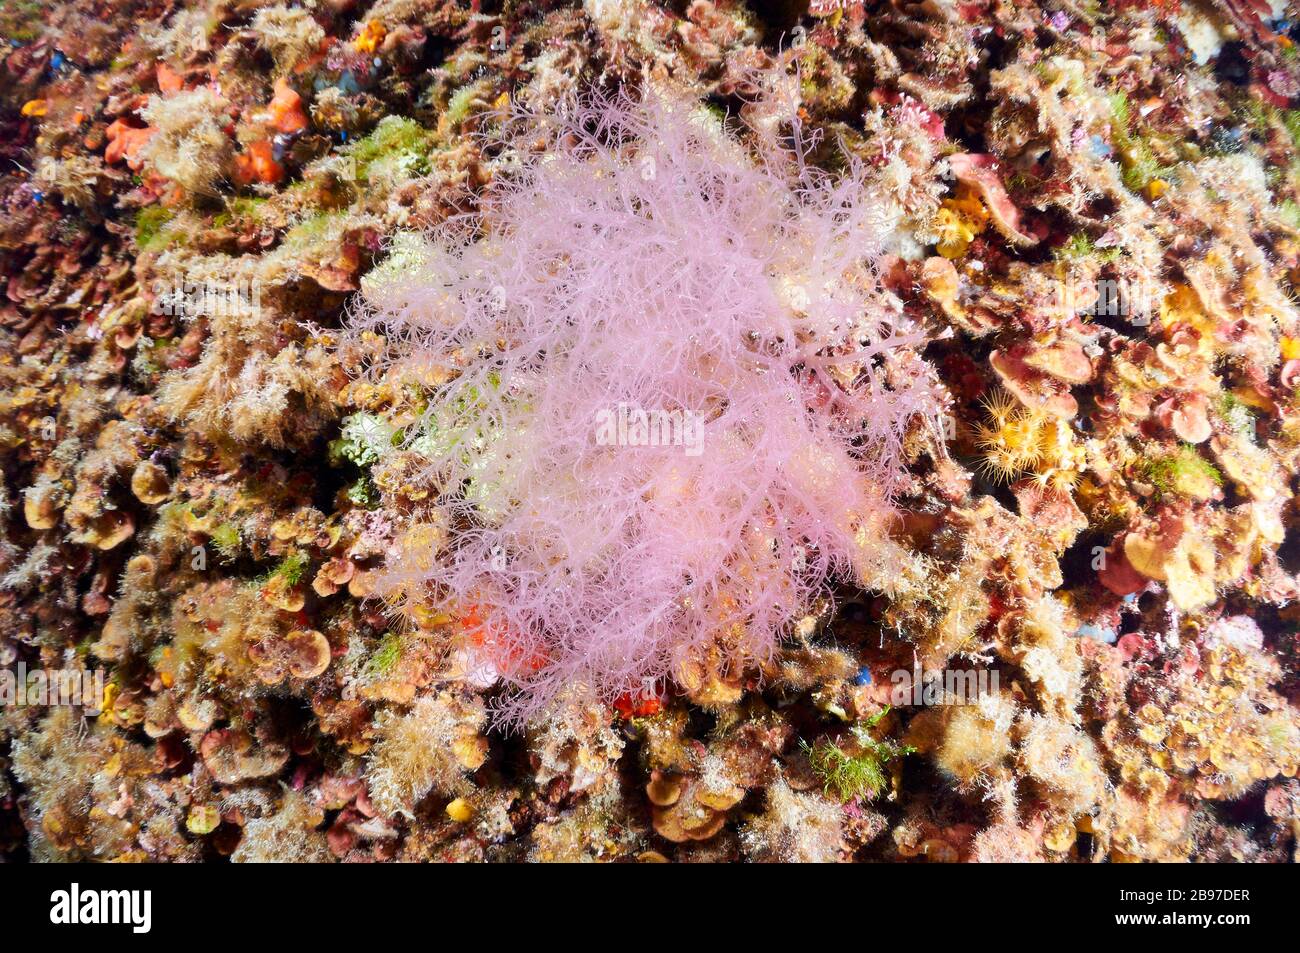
[348, 84]
[1097, 633]
[280, 146]
[863, 677]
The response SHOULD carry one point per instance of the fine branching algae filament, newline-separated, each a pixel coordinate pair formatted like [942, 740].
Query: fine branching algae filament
[856, 768]
[638, 263]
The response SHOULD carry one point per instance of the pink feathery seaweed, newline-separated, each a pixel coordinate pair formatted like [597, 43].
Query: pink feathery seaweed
[667, 395]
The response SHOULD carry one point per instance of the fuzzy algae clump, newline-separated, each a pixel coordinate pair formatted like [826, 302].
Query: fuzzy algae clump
[655, 270]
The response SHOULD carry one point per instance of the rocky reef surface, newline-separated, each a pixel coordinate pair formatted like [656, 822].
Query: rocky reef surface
[986, 312]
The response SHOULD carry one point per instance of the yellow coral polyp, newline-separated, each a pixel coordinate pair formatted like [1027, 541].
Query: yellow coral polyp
[460, 810]
[1018, 439]
[959, 219]
[954, 236]
[106, 713]
[371, 36]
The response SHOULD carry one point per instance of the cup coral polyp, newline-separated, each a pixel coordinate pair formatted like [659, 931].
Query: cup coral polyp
[667, 393]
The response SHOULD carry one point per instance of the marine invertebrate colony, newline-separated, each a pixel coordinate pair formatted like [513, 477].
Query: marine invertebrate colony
[636, 265]
[660, 392]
